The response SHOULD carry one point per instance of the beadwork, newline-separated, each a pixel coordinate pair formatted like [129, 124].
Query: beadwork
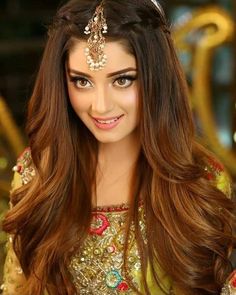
[25, 167]
[98, 268]
[96, 27]
[230, 286]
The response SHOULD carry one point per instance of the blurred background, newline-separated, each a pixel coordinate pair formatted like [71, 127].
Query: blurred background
[204, 34]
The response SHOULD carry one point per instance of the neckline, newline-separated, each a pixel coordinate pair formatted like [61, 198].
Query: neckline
[123, 207]
[111, 208]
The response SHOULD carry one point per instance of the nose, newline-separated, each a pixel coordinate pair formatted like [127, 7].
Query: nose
[102, 101]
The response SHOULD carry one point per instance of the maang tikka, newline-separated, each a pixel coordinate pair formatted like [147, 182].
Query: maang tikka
[96, 27]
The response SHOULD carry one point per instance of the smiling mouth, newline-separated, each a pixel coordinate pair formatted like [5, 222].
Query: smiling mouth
[108, 121]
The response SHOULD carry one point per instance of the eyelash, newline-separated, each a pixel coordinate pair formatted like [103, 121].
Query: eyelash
[75, 79]
[126, 77]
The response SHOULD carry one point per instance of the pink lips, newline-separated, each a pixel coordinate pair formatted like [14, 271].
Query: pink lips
[107, 123]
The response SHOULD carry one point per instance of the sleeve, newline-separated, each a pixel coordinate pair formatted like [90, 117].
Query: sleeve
[221, 179]
[13, 277]
[218, 175]
[230, 285]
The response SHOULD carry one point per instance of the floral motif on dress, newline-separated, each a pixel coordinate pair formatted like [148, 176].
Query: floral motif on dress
[216, 173]
[213, 169]
[230, 286]
[98, 268]
[25, 167]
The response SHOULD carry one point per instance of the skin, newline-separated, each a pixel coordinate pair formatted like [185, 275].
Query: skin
[104, 95]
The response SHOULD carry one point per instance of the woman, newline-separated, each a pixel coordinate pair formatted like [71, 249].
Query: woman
[118, 197]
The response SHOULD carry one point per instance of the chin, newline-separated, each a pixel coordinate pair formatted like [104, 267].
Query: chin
[103, 140]
[108, 139]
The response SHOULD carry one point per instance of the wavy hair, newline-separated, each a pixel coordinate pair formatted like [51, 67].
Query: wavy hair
[189, 222]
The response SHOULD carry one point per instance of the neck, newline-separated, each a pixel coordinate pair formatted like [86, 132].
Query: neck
[115, 154]
[116, 164]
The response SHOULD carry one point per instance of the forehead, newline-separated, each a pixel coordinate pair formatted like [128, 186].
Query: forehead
[118, 57]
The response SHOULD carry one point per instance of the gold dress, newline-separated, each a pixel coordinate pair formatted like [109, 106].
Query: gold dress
[98, 268]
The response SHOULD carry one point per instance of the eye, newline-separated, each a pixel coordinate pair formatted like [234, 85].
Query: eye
[80, 82]
[124, 81]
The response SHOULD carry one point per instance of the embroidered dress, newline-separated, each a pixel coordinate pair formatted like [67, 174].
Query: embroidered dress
[98, 267]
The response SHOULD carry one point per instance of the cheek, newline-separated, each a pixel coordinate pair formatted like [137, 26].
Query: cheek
[131, 102]
[78, 101]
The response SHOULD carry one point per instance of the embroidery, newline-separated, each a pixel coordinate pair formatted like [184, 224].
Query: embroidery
[230, 286]
[213, 169]
[12, 272]
[24, 167]
[98, 268]
[99, 224]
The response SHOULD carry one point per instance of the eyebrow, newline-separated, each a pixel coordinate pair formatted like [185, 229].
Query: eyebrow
[71, 71]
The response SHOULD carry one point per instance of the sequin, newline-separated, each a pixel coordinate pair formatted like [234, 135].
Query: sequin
[102, 272]
[230, 286]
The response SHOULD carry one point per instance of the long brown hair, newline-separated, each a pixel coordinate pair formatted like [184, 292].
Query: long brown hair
[189, 222]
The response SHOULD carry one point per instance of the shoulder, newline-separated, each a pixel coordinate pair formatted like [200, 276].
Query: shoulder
[230, 285]
[218, 175]
[24, 169]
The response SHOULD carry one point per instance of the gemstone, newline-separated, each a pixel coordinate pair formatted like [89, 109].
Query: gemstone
[123, 286]
[113, 279]
[111, 249]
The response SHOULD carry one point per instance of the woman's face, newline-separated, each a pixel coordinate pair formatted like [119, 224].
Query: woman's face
[106, 101]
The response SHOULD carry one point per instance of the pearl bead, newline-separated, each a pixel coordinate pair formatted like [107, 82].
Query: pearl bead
[15, 168]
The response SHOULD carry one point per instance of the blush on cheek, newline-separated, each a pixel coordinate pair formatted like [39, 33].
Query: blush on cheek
[78, 102]
[131, 100]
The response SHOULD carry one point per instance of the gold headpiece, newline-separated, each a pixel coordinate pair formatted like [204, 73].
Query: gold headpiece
[96, 27]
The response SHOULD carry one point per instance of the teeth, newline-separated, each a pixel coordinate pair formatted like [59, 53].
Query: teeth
[108, 121]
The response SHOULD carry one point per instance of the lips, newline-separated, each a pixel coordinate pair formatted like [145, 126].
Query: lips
[107, 120]
[107, 123]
